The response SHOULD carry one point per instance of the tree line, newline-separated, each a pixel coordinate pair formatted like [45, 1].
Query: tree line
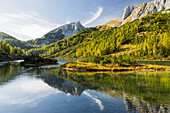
[150, 35]
[8, 49]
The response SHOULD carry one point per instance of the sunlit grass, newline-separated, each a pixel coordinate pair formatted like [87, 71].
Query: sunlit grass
[111, 67]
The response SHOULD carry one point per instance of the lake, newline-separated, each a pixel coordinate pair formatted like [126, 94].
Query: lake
[49, 89]
[162, 63]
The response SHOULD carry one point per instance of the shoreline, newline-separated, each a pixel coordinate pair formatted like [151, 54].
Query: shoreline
[91, 67]
[111, 70]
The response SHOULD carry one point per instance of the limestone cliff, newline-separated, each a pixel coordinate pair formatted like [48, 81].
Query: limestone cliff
[144, 9]
[127, 11]
[58, 34]
[134, 12]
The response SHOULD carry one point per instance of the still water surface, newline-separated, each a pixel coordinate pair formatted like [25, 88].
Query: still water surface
[53, 90]
[161, 63]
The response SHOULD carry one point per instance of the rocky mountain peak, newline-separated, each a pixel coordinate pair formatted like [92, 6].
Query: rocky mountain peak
[59, 33]
[134, 12]
[127, 11]
[70, 29]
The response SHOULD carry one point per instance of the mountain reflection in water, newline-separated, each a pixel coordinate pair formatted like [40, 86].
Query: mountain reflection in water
[56, 90]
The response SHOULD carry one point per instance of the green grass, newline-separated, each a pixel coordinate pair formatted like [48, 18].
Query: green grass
[110, 67]
[147, 37]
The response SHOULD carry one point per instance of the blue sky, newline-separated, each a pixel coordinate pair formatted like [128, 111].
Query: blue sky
[30, 19]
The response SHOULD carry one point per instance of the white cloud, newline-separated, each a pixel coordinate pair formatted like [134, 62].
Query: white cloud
[68, 20]
[94, 16]
[25, 24]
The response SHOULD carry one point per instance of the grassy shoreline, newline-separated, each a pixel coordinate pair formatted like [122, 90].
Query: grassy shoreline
[92, 67]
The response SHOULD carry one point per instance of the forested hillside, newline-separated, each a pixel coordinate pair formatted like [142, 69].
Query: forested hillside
[13, 41]
[150, 35]
[7, 52]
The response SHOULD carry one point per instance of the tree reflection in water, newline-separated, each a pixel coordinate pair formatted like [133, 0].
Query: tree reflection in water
[141, 91]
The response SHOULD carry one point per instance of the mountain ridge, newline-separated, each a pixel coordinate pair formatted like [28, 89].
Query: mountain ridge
[59, 33]
[132, 13]
[4, 37]
[67, 30]
[150, 32]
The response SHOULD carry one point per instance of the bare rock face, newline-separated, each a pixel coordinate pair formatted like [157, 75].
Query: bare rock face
[167, 4]
[127, 11]
[58, 34]
[70, 29]
[132, 13]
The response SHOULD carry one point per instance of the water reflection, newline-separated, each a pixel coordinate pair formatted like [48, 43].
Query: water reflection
[18, 87]
[163, 63]
[55, 90]
[8, 72]
[25, 90]
[142, 92]
[62, 84]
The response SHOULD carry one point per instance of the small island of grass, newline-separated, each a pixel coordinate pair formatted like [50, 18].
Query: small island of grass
[37, 60]
[110, 63]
